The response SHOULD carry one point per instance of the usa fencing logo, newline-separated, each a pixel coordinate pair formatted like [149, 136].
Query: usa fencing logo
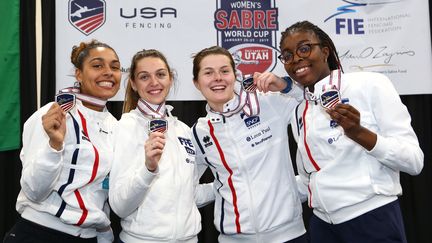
[87, 15]
[248, 30]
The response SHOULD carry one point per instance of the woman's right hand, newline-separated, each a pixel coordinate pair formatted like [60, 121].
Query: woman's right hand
[153, 150]
[54, 124]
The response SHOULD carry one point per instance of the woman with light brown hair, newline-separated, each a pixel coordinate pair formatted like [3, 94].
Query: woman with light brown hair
[153, 181]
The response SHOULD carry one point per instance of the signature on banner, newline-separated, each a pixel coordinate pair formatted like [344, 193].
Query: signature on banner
[376, 53]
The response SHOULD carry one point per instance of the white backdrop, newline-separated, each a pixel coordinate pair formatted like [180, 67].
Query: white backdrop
[387, 36]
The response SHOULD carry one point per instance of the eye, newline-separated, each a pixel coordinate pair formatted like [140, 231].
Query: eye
[143, 77]
[97, 66]
[225, 71]
[115, 68]
[208, 73]
[161, 75]
[287, 55]
[304, 49]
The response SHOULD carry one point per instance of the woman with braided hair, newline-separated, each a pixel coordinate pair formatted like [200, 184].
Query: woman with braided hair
[354, 137]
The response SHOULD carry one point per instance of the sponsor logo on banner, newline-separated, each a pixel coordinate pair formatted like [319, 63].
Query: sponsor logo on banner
[148, 17]
[349, 25]
[248, 30]
[87, 15]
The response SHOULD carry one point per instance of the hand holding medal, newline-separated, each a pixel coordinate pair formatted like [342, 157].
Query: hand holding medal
[347, 117]
[54, 124]
[153, 148]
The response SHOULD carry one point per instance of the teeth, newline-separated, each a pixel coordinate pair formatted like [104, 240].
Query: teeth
[106, 84]
[219, 87]
[154, 91]
[300, 70]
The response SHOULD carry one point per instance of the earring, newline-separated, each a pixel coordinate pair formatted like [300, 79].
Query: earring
[77, 84]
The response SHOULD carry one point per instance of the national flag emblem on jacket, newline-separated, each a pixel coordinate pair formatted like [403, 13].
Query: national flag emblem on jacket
[87, 15]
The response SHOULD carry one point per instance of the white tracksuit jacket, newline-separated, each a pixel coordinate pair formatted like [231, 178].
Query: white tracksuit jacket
[257, 198]
[342, 179]
[160, 206]
[65, 190]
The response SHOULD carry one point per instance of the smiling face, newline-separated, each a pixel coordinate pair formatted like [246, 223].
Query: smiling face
[216, 80]
[152, 80]
[306, 70]
[100, 74]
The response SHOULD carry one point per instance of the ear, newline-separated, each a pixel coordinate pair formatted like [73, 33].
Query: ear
[78, 75]
[133, 85]
[197, 85]
[326, 53]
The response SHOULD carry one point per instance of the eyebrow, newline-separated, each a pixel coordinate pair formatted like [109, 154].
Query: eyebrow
[299, 44]
[211, 68]
[160, 69]
[102, 59]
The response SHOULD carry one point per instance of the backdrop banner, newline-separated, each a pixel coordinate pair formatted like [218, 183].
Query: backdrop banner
[387, 36]
[9, 69]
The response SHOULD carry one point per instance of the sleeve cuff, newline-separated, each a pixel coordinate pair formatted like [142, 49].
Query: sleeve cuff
[379, 150]
[146, 177]
[289, 82]
[50, 155]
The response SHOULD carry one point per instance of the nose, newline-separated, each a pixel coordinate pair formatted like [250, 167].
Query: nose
[218, 75]
[296, 58]
[153, 80]
[108, 71]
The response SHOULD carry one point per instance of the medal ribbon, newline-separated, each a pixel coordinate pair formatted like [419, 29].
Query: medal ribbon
[331, 85]
[85, 98]
[246, 101]
[148, 111]
[251, 107]
[310, 96]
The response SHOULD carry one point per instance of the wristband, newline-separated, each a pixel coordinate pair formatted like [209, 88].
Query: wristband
[289, 82]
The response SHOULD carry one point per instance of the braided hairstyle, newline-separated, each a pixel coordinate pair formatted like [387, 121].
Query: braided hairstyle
[132, 96]
[306, 26]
